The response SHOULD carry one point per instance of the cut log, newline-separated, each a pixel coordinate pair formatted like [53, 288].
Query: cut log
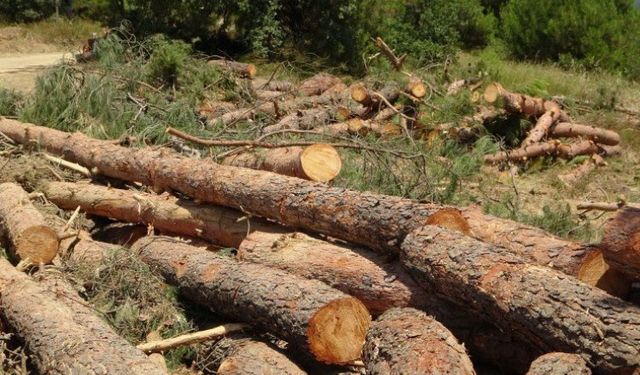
[416, 88]
[621, 242]
[396, 62]
[269, 94]
[385, 114]
[61, 333]
[272, 85]
[31, 239]
[239, 354]
[320, 162]
[541, 248]
[211, 109]
[219, 225]
[598, 135]
[408, 341]
[550, 148]
[604, 206]
[577, 174]
[541, 128]
[548, 309]
[559, 364]
[522, 104]
[374, 99]
[82, 250]
[241, 69]
[318, 84]
[307, 313]
[304, 119]
[158, 346]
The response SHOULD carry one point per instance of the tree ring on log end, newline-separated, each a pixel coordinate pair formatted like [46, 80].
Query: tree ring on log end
[596, 272]
[38, 243]
[320, 162]
[336, 332]
[450, 218]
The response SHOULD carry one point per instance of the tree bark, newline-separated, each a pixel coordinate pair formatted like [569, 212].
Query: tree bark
[305, 119]
[522, 104]
[272, 85]
[242, 69]
[552, 148]
[541, 129]
[318, 84]
[598, 135]
[559, 364]
[548, 309]
[307, 313]
[219, 225]
[61, 332]
[320, 162]
[239, 354]
[30, 237]
[408, 341]
[621, 242]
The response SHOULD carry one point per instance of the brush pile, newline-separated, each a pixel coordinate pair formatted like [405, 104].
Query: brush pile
[342, 281]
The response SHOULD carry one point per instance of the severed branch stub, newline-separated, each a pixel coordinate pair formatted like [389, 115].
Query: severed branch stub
[390, 55]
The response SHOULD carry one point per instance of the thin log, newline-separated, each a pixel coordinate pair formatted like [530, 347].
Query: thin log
[190, 338]
[598, 135]
[396, 61]
[318, 84]
[544, 307]
[541, 128]
[61, 332]
[269, 94]
[213, 109]
[605, 206]
[559, 364]
[550, 148]
[621, 242]
[242, 69]
[319, 162]
[307, 313]
[239, 354]
[522, 104]
[72, 166]
[222, 226]
[371, 98]
[272, 85]
[303, 119]
[408, 341]
[32, 240]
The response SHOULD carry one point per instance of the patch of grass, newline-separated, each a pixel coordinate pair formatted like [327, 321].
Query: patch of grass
[62, 32]
[11, 102]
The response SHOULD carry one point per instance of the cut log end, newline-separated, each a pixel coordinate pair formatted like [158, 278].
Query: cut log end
[321, 162]
[251, 71]
[38, 244]
[492, 92]
[450, 218]
[336, 333]
[360, 94]
[621, 241]
[596, 272]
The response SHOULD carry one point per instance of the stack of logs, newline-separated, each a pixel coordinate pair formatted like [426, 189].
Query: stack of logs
[449, 288]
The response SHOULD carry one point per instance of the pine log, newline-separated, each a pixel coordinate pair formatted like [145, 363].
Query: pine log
[269, 94]
[541, 128]
[544, 307]
[598, 135]
[307, 313]
[395, 61]
[272, 85]
[211, 109]
[408, 341]
[385, 114]
[320, 162]
[239, 354]
[373, 99]
[62, 333]
[549, 148]
[318, 84]
[559, 364]
[621, 242]
[522, 104]
[219, 225]
[541, 248]
[31, 239]
[242, 69]
[304, 119]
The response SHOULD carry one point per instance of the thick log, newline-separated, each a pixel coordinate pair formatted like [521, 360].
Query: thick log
[272, 85]
[219, 225]
[307, 313]
[31, 239]
[83, 251]
[559, 364]
[374, 99]
[304, 119]
[319, 162]
[541, 128]
[62, 333]
[572, 177]
[408, 341]
[598, 135]
[318, 84]
[544, 307]
[239, 354]
[621, 242]
[242, 69]
[522, 104]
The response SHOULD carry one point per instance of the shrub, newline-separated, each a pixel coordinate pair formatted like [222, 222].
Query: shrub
[25, 10]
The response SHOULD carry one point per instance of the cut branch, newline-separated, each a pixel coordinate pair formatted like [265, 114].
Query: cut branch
[395, 61]
[243, 70]
[621, 241]
[599, 135]
[190, 338]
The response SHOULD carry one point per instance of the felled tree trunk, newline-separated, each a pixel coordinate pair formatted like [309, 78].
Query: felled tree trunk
[304, 119]
[559, 364]
[542, 126]
[62, 334]
[211, 109]
[408, 341]
[240, 354]
[554, 148]
[320, 162]
[307, 313]
[373, 99]
[219, 225]
[522, 104]
[31, 239]
[571, 130]
[318, 84]
[83, 251]
[548, 309]
[416, 88]
[621, 242]
[272, 85]
[242, 69]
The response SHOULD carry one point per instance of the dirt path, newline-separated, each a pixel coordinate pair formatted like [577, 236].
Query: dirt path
[19, 71]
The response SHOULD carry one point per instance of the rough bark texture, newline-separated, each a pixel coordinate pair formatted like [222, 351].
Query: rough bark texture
[84, 251]
[522, 104]
[273, 85]
[554, 148]
[211, 109]
[599, 135]
[408, 341]
[318, 84]
[621, 241]
[219, 225]
[304, 119]
[242, 69]
[320, 162]
[540, 130]
[240, 354]
[559, 364]
[548, 309]
[31, 239]
[307, 313]
[61, 332]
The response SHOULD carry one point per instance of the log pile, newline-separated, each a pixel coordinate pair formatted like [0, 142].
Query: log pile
[344, 277]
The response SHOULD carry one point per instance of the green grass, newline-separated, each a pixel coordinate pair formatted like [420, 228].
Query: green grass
[61, 31]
